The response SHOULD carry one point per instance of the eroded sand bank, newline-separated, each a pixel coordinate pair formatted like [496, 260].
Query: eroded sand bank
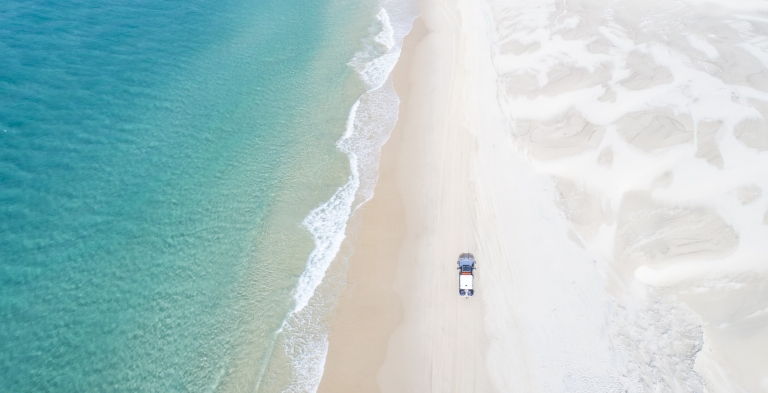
[607, 164]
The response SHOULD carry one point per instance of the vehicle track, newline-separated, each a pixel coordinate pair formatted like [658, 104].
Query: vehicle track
[447, 341]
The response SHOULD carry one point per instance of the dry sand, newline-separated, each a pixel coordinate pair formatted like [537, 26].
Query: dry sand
[607, 164]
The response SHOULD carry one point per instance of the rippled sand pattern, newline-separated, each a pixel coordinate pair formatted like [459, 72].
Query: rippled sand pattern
[651, 118]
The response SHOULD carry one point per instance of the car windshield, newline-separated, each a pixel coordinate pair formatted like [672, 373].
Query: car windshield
[466, 268]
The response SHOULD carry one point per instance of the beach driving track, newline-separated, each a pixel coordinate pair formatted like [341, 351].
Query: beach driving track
[446, 334]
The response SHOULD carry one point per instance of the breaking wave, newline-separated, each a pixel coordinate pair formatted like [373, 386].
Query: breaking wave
[370, 121]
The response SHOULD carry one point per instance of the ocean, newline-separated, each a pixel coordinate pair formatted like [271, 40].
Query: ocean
[176, 179]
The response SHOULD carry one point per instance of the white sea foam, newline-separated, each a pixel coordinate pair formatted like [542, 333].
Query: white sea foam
[327, 224]
[376, 61]
[369, 124]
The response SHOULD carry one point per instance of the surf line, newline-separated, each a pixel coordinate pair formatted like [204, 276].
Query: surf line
[369, 124]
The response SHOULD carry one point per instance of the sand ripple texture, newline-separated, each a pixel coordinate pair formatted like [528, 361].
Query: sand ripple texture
[649, 116]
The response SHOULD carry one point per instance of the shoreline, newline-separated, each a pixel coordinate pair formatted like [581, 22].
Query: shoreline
[369, 309]
[388, 316]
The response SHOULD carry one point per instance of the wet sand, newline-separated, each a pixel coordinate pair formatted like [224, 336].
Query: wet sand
[369, 308]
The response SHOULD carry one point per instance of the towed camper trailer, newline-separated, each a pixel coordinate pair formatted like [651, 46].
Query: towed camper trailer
[466, 274]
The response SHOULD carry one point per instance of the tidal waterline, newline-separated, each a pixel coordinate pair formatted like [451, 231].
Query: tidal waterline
[156, 160]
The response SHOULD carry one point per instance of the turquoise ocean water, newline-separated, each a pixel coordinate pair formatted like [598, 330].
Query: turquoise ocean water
[159, 166]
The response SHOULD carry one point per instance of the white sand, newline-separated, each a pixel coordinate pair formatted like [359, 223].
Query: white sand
[607, 164]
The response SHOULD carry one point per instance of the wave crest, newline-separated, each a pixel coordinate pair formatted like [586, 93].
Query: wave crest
[370, 121]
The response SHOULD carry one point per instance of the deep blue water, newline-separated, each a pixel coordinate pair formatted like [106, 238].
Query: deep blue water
[155, 160]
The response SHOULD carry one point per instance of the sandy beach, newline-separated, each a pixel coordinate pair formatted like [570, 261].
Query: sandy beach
[606, 163]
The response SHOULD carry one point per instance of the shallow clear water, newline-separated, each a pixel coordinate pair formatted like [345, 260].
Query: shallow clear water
[156, 161]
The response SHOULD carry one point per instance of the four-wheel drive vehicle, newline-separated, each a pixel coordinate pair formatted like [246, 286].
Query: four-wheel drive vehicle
[466, 274]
